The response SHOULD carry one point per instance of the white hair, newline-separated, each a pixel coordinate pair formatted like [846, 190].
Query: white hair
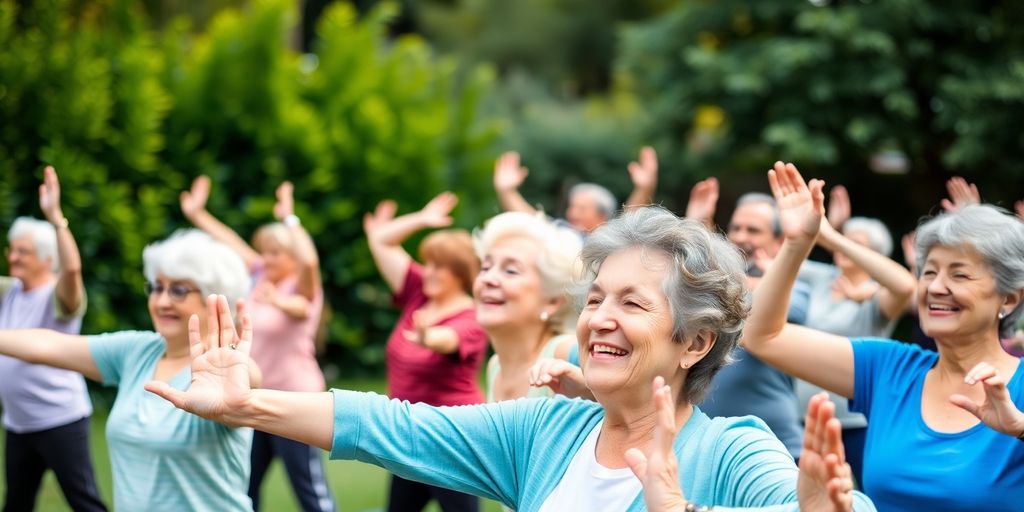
[603, 198]
[193, 255]
[558, 250]
[879, 238]
[43, 236]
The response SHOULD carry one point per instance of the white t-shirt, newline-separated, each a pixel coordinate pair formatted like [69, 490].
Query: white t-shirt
[587, 485]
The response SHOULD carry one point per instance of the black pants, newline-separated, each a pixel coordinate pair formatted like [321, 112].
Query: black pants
[65, 450]
[409, 496]
[304, 465]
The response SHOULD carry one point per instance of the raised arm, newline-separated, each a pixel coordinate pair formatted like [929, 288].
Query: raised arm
[309, 284]
[70, 289]
[820, 358]
[703, 202]
[385, 234]
[961, 194]
[50, 348]
[508, 177]
[644, 174]
[193, 205]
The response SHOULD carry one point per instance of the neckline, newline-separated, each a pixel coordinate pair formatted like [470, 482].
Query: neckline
[918, 394]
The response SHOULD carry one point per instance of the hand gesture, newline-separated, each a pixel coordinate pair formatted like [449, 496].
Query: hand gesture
[838, 207]
[855, 292]
[49, 197]
[703, 201]
[381, 215]
[436, 214]
[420, 323]
[998, 410]
[644, 172]
[826, 481]
[658, 470]
[909, 244]
[800, 204]
[508, 174]
[961, 194]
[194, 201]
[285, 204]
[563, 377]
[220, 365]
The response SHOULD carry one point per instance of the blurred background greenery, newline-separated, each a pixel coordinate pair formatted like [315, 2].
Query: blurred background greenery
[357, 102]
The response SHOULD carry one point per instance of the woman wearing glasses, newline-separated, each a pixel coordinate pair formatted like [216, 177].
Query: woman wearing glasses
[285, 305]
[161, 458]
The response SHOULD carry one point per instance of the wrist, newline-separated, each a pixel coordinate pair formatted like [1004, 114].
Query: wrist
[59, 221]
[291, 220]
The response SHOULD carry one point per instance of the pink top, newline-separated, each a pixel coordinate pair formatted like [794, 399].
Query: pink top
[418, 374]
[283, 346]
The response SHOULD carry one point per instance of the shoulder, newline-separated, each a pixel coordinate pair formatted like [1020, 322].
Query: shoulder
[897, 357]
[127, 340]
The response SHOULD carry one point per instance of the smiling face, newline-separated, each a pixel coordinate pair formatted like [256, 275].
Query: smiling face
[750, 229]
[439, 281]
[171, 303]
[508, 290]
[24, 262]
[625, 329]
[278, 262]
[583, 212]
[957, 295]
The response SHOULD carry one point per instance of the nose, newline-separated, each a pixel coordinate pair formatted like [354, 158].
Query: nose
[488, 276]
[601, 320]
[938, 286]
[162, 299]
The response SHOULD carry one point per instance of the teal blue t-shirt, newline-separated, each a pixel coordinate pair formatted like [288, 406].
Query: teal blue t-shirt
[909, 466]
[164, 458]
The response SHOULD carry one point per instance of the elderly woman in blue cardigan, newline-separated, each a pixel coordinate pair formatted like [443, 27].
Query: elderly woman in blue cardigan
[665, 302]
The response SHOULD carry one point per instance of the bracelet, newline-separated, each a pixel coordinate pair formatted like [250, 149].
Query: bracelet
[291, 220]
[62, 223]
[690, 507]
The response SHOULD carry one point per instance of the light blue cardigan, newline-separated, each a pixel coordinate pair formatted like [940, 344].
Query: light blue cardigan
[515, 452]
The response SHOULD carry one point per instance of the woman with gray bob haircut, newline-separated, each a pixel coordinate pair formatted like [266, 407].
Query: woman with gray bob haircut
[639, 339]
[162, 458]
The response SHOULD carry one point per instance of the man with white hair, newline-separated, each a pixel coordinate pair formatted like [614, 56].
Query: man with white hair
[45, 410]
[590, 204]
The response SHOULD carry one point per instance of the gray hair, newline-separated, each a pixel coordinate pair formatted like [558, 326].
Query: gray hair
[706, 287]
[603, 198]
[879, 238]
[558, 250]
[995, 234]
[193, 255]
[43, 236]
[758, 198]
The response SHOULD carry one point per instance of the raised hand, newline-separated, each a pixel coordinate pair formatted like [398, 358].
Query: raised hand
[194, 201]
[826, 481]
[703, 201]
[563, 377]
[800, 204]
[49, 197]
[382, 214]
[508, 173]
[909, 244]
[220, 365]
[997, 410]
[961, 194]
[839, 209]
[657, 469]
[644, 172]
[285, 204]
[436, 214]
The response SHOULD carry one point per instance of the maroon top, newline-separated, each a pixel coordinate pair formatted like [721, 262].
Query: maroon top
[418, 374]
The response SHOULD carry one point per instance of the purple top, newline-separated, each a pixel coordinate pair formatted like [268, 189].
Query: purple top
[37, 397]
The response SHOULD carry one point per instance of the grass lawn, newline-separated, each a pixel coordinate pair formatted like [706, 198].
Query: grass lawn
[356, 486]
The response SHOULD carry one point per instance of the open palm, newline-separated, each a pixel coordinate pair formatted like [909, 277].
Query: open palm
[220, 365]
[436, 214]
[800, 204]
[285, 204]
[49, 196]
[194, 200]
[825, 483]
[508, 173]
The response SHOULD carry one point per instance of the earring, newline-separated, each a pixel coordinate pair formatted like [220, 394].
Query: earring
[543, 316]
[1001, 315]
[686, 365]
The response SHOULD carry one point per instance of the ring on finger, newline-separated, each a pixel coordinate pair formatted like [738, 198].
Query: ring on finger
[233, 346]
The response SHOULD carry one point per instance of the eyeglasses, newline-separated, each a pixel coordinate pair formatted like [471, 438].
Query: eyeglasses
[176, 291]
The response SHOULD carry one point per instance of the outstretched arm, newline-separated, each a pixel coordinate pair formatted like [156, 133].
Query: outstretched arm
[309, 284]
[644, 174]
[961, 194]
[508, 177]
[385, 234]
[703, 202]
[193, 205]
[70, 288]
[820, 358]
[50, 348]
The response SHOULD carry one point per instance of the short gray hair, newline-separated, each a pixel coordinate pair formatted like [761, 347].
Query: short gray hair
[558, 250]
[879, 238]
[995, 234]
[603, 197]
[43, 236]
[706, 287]
[193, 255]
[758, 198]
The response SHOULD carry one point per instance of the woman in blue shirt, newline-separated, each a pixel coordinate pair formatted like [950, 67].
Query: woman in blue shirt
[941, 425]
[665, 303]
